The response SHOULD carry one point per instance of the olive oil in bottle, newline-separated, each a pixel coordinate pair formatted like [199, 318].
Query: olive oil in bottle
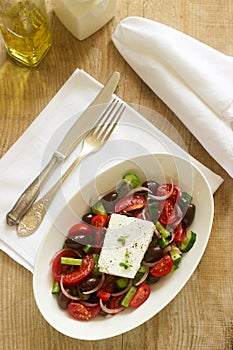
[24, 26]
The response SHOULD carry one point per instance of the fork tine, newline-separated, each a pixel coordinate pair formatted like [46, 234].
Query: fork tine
[99, 122]
[106, 133]
[99, 125]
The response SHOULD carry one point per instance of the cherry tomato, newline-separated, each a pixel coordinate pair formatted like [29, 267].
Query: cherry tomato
[99, 220]
[72, 274]
[138, 214]
[166, 188]
[81, 312]
[180, 233]
[59, 269]
[168, 213]
[129, 203]
[79, 229]
[163, 267]
[141, 295]
[101, 294]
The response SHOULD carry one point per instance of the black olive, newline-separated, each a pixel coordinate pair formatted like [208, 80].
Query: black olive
[87, 218]
[77, 241]
[62, 300]
[152, 185]
[189, 215]
[109, 201]
[110, 197]
[152, 279]
[153, 254]
[88, 283]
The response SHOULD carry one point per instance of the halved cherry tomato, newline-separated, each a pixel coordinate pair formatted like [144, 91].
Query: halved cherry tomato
[101, 294]
[99, 220]
[59, 269]
[180, 233]
[168, 213]
[166, 188]
[163, 267]
[79, 229]
[72, 274]
[129, 203]
[81, 312]
[141, 295]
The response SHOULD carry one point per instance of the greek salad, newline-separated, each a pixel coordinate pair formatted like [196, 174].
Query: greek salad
[129, 239]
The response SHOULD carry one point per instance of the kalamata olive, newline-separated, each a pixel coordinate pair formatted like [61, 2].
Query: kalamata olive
[189, 215]
[87, 218]
[109, 201]
[110, 197]
[77, 241]
[62, 300]
[89, 283]
[152, 185]
[153, 254]
[152, 279]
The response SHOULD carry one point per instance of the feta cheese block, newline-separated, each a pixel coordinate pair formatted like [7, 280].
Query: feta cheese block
[125, 243]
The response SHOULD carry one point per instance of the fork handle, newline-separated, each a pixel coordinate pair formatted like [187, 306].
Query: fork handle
[32, 219]
[28, 197]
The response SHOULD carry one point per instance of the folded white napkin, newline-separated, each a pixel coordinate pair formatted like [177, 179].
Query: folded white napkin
[193, 79]
[21, 163]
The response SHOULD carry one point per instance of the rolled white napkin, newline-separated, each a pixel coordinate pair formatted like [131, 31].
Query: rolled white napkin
[193, 79]
[21, 164]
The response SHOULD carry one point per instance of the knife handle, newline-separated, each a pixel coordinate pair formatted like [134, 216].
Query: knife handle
[28, 197]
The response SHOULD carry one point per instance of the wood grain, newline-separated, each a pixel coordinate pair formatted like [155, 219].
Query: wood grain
[201, 315]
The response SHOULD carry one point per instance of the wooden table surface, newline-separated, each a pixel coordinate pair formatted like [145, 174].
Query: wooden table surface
[201, 315]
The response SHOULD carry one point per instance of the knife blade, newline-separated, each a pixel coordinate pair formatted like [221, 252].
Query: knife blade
[67, 145]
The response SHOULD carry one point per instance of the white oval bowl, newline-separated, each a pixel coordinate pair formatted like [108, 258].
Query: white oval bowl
[159, 167]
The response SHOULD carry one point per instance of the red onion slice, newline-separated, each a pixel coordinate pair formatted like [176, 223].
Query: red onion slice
[179, 216]
[166, 196]
[85, 303]
[138, 189]
[110, 311]
[144, 277]
[68, 295]
[158, 234]
[174, 247]
[172, 237]
[167, 249]
[99, 285]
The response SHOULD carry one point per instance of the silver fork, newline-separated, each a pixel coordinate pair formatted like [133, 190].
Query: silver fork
[92, 142]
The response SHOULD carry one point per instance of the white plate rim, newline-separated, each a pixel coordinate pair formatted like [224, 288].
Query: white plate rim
[106, 332]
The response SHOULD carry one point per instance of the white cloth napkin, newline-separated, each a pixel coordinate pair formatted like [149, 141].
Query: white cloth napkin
[193, 79]
[23, 161]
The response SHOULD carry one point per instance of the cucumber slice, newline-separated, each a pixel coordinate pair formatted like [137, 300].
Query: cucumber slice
[176, 257]
[129, 296]
[71, 261]
[132, 179]
[56, 288]
[188, 243]
[164, 232]
[98, 208]
[122, 282]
